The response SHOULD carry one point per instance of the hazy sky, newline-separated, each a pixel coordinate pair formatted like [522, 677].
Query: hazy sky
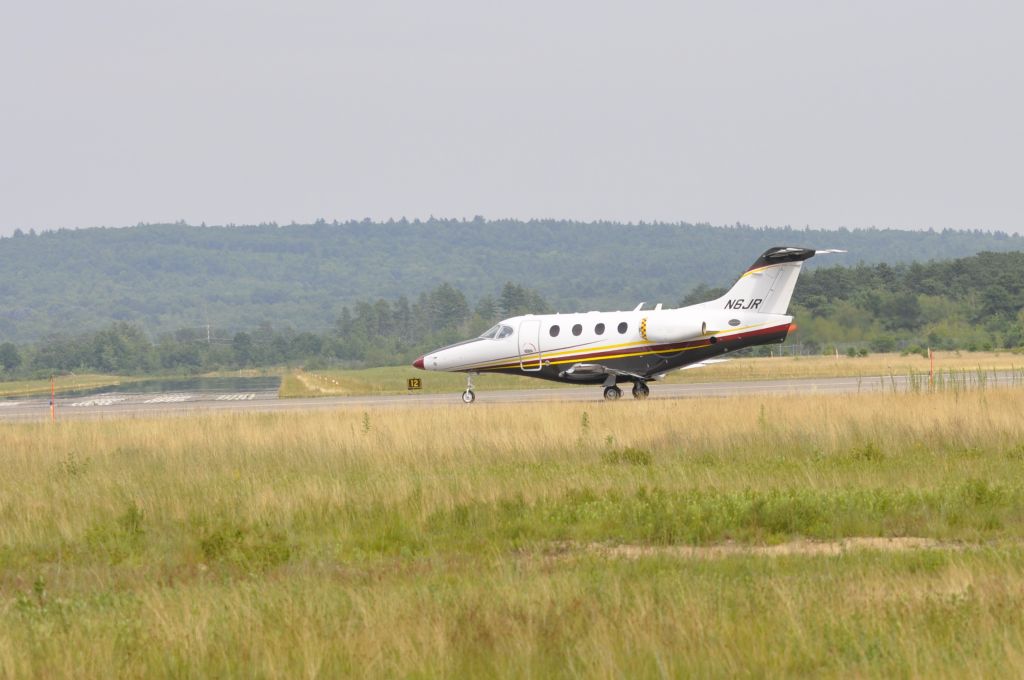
[902, 114]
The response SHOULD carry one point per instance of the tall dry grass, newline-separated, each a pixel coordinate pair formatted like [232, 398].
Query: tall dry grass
[873, 366]
[455, 540]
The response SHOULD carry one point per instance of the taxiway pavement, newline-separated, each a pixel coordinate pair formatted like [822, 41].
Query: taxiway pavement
[149, 405]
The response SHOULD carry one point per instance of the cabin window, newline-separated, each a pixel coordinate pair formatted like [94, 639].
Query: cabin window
[554, 331]
[599, 329]
[623, 327]
[504, 332]
[491, 332]
[577, 329]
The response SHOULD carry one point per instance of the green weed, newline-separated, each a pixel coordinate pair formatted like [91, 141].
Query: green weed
[628, 456]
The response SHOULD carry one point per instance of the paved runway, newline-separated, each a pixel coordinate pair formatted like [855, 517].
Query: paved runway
[121, 405]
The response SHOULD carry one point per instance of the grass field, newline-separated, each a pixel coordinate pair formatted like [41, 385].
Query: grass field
[69, 383]
[392, 379]
[62, 383]
[867, 535]
[872, 365]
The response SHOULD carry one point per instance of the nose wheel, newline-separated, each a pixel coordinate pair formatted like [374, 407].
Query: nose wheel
[469, 396]
[641, 390]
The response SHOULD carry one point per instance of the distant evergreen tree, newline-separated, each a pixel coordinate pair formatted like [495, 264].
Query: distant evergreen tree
[447, 307]
[242, 347]
[487, 308]
[10, 358]
[515, 300]
[121, 348]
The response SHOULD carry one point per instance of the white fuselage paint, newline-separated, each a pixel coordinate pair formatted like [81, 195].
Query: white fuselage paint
[522, 349]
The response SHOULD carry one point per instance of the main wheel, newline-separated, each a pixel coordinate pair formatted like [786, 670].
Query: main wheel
[468, 396]
[611, 393]
[641, 390]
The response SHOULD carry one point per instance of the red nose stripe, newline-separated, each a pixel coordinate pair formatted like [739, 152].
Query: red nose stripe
[418, 363]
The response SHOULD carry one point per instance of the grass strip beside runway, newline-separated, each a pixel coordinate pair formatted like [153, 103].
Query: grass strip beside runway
[392, 379]
[859, 534]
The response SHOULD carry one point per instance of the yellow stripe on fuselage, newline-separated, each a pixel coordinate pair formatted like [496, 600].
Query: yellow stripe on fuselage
[573, 360]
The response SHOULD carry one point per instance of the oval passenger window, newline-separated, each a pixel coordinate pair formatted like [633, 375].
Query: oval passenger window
[577, 329]
[599, 329]
[623, 326]
[554, 331]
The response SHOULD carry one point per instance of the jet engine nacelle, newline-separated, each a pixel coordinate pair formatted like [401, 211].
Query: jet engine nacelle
[674, 328]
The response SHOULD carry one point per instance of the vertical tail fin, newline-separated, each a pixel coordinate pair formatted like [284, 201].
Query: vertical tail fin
[767, 286]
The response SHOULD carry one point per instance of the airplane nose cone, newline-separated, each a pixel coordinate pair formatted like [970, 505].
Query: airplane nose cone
[418, 363]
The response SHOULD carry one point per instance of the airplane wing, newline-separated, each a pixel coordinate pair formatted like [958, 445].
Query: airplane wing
[591, 370]
[701, 364]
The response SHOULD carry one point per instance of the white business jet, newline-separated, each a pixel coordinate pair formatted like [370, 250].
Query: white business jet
[640, 346]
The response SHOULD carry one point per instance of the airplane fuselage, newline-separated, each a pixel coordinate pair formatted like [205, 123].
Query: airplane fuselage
[549, 346]
[637, 346]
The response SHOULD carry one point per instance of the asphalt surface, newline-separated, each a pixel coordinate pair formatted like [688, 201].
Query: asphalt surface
[148, 405]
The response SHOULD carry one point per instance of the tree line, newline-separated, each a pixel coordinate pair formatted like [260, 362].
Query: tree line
[971, 303]
[968, 303]
[166, 277]
[368, 334]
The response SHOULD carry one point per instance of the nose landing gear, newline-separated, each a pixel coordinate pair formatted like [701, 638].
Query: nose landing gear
[469, 396]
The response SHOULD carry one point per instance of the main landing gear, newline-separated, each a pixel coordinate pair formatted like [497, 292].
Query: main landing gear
[640, 391]
[468, 397]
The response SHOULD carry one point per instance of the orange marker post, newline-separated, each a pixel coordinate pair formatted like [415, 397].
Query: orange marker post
[931, 368]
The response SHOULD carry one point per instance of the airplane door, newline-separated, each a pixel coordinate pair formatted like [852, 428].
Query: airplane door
[529, 345]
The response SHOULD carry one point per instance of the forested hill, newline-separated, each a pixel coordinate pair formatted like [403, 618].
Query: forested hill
[171, 276]
[969, 303]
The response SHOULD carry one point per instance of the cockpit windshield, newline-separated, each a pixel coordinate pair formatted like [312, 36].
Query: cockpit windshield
[497, 332]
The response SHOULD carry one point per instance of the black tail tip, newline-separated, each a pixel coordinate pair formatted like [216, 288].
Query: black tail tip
[782, 254]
